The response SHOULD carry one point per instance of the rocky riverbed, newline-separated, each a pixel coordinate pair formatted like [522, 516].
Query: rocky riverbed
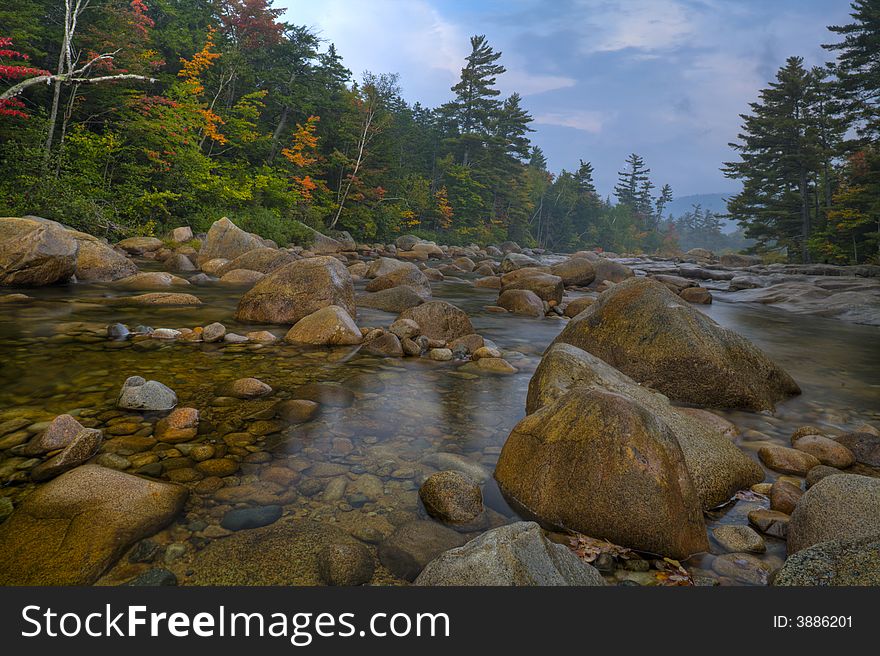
[214, 409]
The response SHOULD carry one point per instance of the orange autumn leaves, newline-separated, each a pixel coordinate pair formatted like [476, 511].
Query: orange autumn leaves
[191, 73]
[302, 153]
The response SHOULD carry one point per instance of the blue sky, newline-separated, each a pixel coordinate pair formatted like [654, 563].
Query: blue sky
[664, 78]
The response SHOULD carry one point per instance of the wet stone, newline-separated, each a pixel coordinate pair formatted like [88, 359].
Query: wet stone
[244, 518]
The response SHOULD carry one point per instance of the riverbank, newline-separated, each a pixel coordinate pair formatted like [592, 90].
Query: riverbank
[337, 441]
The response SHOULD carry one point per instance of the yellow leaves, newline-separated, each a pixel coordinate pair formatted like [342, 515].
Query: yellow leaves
[203, 60]
[305, 142]
[444, 209]
[210, 127]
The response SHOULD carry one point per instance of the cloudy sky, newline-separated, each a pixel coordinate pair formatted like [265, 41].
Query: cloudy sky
[664, 78]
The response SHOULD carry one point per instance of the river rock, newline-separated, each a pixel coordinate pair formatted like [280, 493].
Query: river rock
[214, 266]
[451, 497]
[335, 396]
[150, 280]
[439, 320]
[394, 299]
[35, 252]
[413, 545]
[96, 515]
[770, 522]
[648, 333]
[58, 434]
[82, 447]
[843, 507]
[565, 466]
[98, 262]
[158, 298]
[546, 286]
[239, 519]
[825, 450]
[513, 261]
[228, 241]
[180, 426]
[698, 295]
[575, 271]
[784, 496]
[247, 388]
[835, 562]
[406, 242]
[518, 554]
[140, 245]
[787, 461]
[241, 277]
[522, 301]
[296, 290]
[262, 260]
[329, 326]
[181, 234]
[179, 262]
[345, 564]
[816, 474]
[213, 332]
[739, 261]
[864, 446]
[287, 552]
[140, 394]
[717, 467]
[408, 275]
[738, 538]
[384, 345]
[610, 270]
[297, 411]
[578, 305]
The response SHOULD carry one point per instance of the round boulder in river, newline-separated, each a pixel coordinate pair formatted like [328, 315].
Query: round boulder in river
[140, 394]
[451, 497]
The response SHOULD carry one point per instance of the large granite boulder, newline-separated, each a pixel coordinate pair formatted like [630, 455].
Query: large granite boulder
[835, 562]
[72, 529]
[610, 270]
[99, 262]
[717, 467]
[648, 333]
[575, 271]
[602, 464]
[545, 286]
[440, 320]
[514, 555]
[227, 240]
[840, 507]
[329, 326]
[264, 260]
[408, 276]
[393, 299]
[297, 290]
[35, 252]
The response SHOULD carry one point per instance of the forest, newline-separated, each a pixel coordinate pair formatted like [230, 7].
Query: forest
[130, 117]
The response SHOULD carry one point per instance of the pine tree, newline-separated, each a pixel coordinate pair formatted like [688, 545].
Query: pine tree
[476, 96]
[630, 181]
[781, 154]
[858, 66]
[662, 201]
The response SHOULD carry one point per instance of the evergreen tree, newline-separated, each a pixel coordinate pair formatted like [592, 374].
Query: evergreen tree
[630, 182]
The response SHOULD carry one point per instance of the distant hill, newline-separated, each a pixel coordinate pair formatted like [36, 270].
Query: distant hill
[712, 202]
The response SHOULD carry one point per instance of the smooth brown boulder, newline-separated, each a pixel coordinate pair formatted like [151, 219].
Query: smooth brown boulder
[297, 411]
[575, 271]
[825, 450]
[408, 276]
[568, 466]
[651, 335]
[150, 280]
[578, 305]
[784, 496]
[227, 240]
[99, 262]
[158, 298]
[440, 320]
[296, 290]
[58, 434]
[241, 277]
[451, 497]
[841, 507]
[610, 270]
[787, 461]
[180, 426]
[413, 545]
[546, 286]
[35, 252]
[72, 529]
[864, 446]
[329, 326]
[140, 245]
[393, 299]
[717, 467]
[82, 447]
[521, 301]
[384, 345]
[698, 295]
[264, 260]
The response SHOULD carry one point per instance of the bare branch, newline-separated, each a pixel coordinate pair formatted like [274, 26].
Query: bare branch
[16, 89]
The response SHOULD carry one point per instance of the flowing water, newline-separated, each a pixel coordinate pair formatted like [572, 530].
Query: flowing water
[384, 424]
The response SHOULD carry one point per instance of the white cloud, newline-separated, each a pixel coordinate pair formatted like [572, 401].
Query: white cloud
[585, 120]
[648, 25]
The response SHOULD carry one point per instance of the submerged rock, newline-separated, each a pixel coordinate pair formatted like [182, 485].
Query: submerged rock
[394, 299]
[140, 394]
[514, 555]
[96, 514]
[648, 333]
[413, 545]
